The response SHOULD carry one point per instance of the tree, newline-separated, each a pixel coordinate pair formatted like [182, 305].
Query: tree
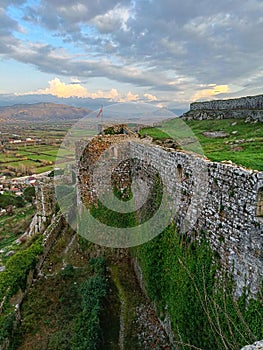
[29, 194]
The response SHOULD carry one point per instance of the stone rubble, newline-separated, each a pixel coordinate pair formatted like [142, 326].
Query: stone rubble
[256, 346]
[151, 335]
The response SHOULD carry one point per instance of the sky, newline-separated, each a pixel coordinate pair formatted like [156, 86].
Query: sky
[165, 52]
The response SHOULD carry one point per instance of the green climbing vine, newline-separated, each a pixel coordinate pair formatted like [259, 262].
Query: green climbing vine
[87, 330]
[183, 278]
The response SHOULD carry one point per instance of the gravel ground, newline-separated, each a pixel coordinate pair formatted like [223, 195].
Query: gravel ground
[151, 334]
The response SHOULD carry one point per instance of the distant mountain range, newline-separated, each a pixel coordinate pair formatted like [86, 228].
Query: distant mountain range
[47, 108]
[93, 104]
[41, 112]
[88, 103]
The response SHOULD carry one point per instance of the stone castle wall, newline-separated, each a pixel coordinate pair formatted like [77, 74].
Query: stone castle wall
[249, 102]
[44, 222]
[45, 205]
[88, 154]
[215, 198]
[220, 200]
[250, 107]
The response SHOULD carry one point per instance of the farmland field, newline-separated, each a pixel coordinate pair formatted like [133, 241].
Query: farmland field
[39, 154]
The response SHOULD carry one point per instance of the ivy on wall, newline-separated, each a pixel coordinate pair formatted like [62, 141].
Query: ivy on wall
[87, 330]
[184, 280]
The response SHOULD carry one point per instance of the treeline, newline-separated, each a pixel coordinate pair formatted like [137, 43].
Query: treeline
[8, 199]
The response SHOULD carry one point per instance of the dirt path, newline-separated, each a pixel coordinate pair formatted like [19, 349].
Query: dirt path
[123, 305]
[139, 328]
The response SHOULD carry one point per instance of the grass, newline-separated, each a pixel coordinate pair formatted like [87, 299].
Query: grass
[7, 158]
[41, 157]
[154, 133]
[43, 169]
[20, 160]
[12, 226]
[49, 311]
[53, 303]
[34, 158]
[110, 321]
[247, 153]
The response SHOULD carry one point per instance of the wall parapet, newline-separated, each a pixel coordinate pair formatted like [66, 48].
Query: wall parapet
[250, 107]
[243, 103]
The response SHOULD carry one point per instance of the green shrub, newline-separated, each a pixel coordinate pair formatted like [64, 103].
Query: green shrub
[7, 199]
[68, 271]
[87, 331]
[29, 193]
[58, 341]
[17, 268]
[99, 265]
[56, 172]
[6, 325]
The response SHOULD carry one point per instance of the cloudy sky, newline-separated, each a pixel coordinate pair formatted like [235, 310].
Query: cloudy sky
[166, 52]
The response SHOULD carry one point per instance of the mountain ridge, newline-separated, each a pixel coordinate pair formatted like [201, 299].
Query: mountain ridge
[41, 111]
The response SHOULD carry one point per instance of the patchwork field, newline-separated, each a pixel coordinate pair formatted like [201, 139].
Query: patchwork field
[40, 153]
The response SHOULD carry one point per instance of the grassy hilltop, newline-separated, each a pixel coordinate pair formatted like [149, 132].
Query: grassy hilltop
[242, 142]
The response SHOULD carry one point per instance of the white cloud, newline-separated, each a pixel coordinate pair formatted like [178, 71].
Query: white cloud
[131, 97]
[112, 95]
[113, 19]
[75, 89]
[60, 89]
[208, 93]
[167, 48]
[150, 97]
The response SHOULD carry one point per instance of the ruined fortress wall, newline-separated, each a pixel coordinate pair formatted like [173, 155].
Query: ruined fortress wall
[246, 107]
[249, 102]
[223, 203]
[88, 154]
[45, 205]
[216, 198]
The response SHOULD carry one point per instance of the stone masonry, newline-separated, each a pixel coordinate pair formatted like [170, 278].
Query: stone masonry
[218, 199]
[250, 107]
[45, 205]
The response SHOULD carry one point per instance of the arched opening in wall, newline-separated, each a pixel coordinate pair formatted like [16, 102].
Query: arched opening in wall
[259, 206]
[180, 172]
